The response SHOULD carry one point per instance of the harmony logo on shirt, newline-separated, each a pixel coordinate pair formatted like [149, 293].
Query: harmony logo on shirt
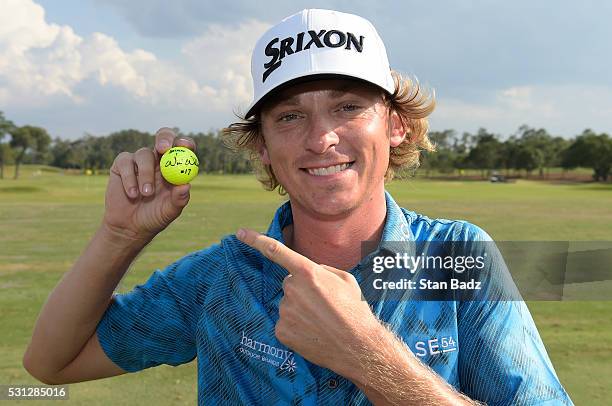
[278, 357]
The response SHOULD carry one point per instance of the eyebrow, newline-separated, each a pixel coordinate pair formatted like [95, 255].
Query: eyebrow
[341, 91]
[293, 100]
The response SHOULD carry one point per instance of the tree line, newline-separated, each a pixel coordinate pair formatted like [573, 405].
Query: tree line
[529, 149]
[33, 145]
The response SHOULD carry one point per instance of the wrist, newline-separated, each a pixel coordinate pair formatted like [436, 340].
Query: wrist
[122, 239]
[365, 351]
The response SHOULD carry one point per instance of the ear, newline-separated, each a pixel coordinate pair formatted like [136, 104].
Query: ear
[397, 133]
[263, 153]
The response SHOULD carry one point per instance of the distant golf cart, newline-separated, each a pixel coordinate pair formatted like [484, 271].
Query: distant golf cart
[497, 178]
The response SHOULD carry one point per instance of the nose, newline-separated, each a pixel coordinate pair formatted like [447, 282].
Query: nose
[322, 135]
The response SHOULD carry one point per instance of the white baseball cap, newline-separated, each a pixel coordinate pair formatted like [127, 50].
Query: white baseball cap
[318, 43]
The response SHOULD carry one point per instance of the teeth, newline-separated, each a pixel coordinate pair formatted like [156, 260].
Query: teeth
[330, 170]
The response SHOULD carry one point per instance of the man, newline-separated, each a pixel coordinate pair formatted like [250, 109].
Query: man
[280, 318]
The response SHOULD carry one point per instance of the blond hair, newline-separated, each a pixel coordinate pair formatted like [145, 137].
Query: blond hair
[411, 102]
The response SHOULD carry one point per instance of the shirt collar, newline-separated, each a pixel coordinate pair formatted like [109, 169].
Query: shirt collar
[396, 229]
[397, 224]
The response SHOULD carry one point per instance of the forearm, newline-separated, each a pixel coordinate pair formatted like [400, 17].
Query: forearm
[74, 308]
[390, 374]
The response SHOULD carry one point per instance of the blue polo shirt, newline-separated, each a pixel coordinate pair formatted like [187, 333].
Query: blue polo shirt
[220, 305]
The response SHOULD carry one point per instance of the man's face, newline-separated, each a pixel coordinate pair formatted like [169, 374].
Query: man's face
[328, 143]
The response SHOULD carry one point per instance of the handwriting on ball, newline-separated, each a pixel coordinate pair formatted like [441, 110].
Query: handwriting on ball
[174, 161]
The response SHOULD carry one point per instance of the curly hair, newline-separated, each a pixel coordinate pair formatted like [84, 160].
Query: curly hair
[411, 102]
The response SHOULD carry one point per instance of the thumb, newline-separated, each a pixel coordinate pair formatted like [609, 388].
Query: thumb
[180, 195]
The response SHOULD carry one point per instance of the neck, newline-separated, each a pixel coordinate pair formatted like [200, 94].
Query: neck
[336, 241]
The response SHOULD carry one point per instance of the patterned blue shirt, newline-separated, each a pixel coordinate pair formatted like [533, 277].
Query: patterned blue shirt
[220, 305]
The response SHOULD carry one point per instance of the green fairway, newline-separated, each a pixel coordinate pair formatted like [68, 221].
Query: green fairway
[47, 218]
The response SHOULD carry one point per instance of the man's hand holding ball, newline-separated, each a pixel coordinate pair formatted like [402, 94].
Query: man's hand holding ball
[140, 200]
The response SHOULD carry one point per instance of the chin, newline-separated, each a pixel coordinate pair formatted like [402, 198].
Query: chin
[327, 203]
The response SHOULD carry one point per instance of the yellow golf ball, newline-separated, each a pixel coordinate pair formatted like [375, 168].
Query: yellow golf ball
[179, 165]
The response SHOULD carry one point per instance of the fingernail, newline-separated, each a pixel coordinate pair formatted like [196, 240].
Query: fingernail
[163, 144]
[240, 233]
[133, 192]
[147, 188]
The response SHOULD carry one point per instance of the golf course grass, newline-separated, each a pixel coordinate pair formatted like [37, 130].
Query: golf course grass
[48, 216]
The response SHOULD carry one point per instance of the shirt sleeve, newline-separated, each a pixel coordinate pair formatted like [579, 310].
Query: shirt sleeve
[155, 322]
[502, 360]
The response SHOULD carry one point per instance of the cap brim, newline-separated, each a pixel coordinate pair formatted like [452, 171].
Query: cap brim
[254, 108]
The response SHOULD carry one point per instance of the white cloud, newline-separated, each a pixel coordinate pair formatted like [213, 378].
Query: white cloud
[221, 56]
[562, 109]
[36, 59]
[23, 26]
[70, 83]
[41, 61]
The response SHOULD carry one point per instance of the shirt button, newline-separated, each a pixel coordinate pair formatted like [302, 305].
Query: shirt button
[332, 383]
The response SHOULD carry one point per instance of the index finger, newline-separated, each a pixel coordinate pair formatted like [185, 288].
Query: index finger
[277, 252]
[166, 138]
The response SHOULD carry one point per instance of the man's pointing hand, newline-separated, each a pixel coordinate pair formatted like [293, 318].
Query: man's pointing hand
[321, 315]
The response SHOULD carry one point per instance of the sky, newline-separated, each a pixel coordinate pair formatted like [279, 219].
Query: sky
[99, 66]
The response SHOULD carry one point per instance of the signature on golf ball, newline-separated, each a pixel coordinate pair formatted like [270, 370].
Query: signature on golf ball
[179, 165]
[174, 161]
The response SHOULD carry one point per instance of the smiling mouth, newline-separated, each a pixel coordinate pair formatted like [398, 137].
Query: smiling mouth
[328, 170]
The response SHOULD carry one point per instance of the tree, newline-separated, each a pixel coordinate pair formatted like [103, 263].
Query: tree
[526, 157]
[444, 157]
[536, 149]
[590, 150]
[6, 127]
[215, 156]
[557, 148]
[42, 140]
[129, 140]
[28, 138]
[486, 153]
[65, 154]
[98, 152]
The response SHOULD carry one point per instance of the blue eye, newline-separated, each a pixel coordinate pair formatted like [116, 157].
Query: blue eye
[350, 107]
[288, 117]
